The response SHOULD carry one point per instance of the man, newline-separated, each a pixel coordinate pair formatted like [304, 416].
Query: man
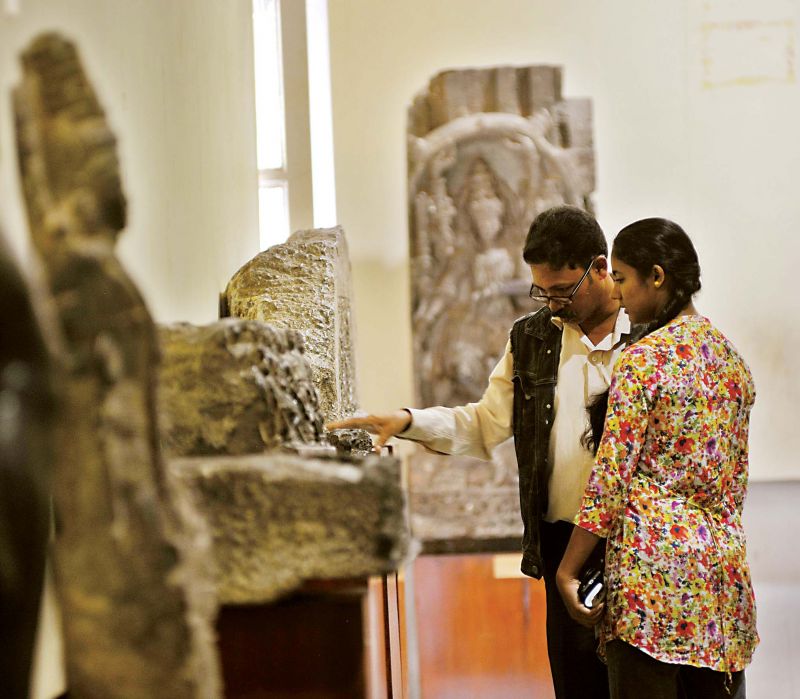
[556, 360]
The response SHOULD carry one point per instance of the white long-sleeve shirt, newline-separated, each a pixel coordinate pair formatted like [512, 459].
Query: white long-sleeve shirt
[475, 429]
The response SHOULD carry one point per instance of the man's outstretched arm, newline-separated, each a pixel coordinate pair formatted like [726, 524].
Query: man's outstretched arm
[473, 429]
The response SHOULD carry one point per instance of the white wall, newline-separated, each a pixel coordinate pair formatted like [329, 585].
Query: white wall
[176, 80]
[719, 160]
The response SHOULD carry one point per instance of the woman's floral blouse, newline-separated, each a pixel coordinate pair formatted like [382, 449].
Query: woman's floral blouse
[667, 491]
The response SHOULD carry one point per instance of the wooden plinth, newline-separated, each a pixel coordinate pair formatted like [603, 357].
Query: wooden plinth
[332, 640]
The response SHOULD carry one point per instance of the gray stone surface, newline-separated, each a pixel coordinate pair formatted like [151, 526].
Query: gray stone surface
[278, 520]
[135, 591]
[304, 284]
[488, 149]
[235, 387]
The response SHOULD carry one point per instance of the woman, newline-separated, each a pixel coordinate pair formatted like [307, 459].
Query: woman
[667, 489]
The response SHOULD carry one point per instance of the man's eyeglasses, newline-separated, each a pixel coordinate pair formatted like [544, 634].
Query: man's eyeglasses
[536, 293]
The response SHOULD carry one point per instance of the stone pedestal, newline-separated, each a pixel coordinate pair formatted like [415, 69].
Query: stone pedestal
[278, 520]
[306, 551]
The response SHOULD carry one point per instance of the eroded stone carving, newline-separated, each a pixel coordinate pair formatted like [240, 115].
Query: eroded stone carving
[245, 433]
[130, 559]
[278, 519]
[488, 149]
[235, 387]
[304, 284]
[240, 390]
[27, 394]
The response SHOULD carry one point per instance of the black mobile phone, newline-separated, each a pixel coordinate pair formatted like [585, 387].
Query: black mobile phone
[592, 589]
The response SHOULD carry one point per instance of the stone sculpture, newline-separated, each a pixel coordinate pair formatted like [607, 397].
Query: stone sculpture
[26, 454]
[488, 149]
[243, 429]
[137, 598]
[235, 387]
[286, 502]
[304, 285]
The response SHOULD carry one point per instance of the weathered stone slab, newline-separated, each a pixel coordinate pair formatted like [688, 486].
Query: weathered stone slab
[488, 150]
[136, 594]
[27, 395]
[304, 284]
[235, 387]
[278, 520]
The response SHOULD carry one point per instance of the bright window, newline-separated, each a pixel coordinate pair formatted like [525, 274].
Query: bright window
[295, 157]
[273, 183]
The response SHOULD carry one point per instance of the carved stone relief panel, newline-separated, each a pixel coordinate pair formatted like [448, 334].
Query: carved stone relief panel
[304, 285]
[136, 596]
[488, 149]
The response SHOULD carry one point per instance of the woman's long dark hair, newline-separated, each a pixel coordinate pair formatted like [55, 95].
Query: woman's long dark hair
[643, 245]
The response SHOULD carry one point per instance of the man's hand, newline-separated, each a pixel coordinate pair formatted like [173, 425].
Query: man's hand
[385, 426]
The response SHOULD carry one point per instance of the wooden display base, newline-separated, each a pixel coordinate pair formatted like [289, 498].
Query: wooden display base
[335, 639]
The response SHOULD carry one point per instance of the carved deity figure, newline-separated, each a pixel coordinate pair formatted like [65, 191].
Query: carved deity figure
[477, 181]
[469, 288]
[488, 149]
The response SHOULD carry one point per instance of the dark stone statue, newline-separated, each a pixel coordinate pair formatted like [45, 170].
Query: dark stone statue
[26, 410]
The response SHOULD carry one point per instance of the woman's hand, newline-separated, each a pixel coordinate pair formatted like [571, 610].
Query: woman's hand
[581, 544]
[568, 587]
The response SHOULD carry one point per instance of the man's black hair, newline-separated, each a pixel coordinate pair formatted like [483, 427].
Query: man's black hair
[564, 236]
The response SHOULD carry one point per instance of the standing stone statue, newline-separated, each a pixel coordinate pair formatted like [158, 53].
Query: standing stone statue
[488, 150]
[136, 600]
[26, 454]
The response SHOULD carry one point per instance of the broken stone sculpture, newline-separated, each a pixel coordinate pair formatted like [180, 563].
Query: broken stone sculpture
[244, 432]
[26, 454]
[304, 285]
[488, 149]
[136, 595]
[243, 426]
[235, 387]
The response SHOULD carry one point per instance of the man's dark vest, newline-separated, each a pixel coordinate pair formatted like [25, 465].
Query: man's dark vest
[536, 350]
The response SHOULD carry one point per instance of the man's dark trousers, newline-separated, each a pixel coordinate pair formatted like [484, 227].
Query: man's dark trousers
[577, 671]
